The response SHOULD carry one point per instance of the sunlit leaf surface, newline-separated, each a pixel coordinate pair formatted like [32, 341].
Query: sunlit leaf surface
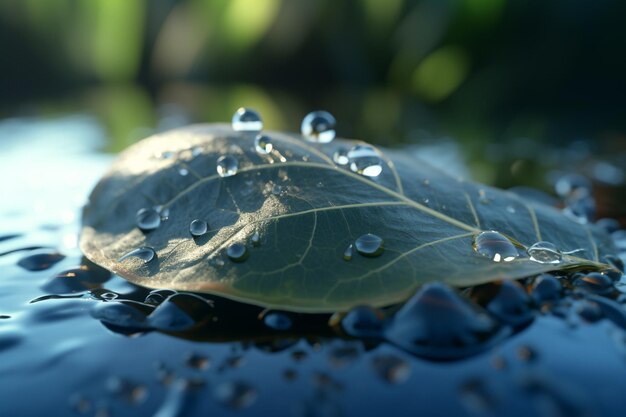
[280, 229]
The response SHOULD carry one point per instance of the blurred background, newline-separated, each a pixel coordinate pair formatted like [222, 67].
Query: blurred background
[516, 85]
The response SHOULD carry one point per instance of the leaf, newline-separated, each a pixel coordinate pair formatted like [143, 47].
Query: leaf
[307, 211]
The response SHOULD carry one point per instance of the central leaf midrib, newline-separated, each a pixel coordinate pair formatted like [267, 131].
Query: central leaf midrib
[349, 174]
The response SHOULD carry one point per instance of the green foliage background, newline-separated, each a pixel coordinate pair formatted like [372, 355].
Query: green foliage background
[392, 71]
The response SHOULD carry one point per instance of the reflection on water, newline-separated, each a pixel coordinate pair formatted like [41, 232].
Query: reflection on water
[94, 344]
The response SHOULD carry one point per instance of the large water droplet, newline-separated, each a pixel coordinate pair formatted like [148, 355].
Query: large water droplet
[227, 166]
[545, 253]
[495, 246]
[365, 160]
[318, 126]
[263, 144]
[247, 120]
[363, 321]
[148, 219]
[237, 252]
[146, 254]
[198, 227]
[369, 245]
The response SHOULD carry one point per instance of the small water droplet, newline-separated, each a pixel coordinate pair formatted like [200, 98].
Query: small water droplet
[545, 253]
[247, 120]
[573, 186]
[277, 321]
[348, 253]
[369, 245]
[365, 160]
[341, 156]
[255, 239]
[237, 252]
[510, 209]
[495, 246]
[198, 228]
[227, 166]
[318, 126]
[148, 219]
[263, 144]
[235, 394]
[183, 172]
[146, 254]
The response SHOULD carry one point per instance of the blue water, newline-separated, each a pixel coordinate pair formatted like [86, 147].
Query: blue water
[56, 359]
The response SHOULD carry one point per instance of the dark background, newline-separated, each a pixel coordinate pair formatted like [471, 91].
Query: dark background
[491, 74]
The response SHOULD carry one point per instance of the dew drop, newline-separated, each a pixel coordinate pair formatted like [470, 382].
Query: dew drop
[319, 127]
[341, 156]
[255, 239]
[247, 120]
[237, 252]
[495, 246]
[227, 166]
[183, 172]
[369, 245]
[198, 228]
[348, 253]
[365, 160]
[545, 253]
[146, 254]
[148, 219]
[263, 144]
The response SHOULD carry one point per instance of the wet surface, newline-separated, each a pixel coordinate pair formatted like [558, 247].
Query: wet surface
[76, 340]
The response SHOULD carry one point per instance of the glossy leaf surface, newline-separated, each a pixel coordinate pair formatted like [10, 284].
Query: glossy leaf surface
[297, 212]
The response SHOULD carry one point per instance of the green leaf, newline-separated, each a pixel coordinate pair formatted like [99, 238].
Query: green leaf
[307, 211]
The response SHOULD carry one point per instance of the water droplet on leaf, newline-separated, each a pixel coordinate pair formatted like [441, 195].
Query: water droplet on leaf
[198, 227]
[227, 166]
[263, 144]
[318, 126]
[148, 219]
[495, 246]
[369, 245]
[348, 253]
[255, 239]
[237, 252]
[247, 120]
[341, 156]
[545, 253]
[365, 160]
[145, 253]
